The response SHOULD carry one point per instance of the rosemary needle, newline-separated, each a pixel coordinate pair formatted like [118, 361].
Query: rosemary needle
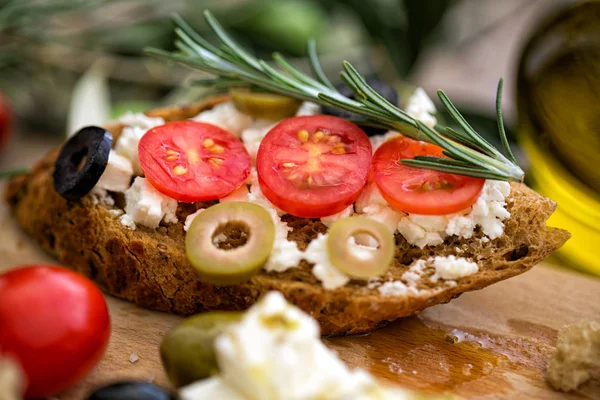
[467, 151]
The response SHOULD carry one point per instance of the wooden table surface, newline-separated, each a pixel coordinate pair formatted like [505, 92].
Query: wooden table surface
[508, 331]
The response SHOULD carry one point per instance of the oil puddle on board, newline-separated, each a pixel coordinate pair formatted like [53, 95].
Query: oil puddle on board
[421, 354]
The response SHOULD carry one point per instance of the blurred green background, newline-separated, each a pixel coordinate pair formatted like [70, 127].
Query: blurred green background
[46, 46]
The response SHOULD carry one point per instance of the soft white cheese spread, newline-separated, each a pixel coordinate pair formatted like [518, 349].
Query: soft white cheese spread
[317, 254]
[226, 116]
[147, 206]
[275, 353]
[117, 175]
[136, 126]
[451, 267]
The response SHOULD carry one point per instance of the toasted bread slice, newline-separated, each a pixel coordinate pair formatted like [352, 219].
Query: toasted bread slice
[150, 268]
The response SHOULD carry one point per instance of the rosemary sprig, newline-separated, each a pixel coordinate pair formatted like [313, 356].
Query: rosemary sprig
[469, 153]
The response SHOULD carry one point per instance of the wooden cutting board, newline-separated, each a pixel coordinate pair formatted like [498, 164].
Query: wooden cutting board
[506, 333]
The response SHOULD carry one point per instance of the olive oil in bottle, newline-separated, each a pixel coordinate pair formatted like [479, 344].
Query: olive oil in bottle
[559, 125]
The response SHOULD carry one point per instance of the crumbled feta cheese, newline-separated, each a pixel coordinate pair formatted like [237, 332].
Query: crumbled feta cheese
[190, 218]
[117, 175]
[127, 222]
[345, 213]
[421, 107]
[317, 254]
[414, 273]
[423, 230]
[308, 108]
[378, 140]
[101, 196]
[284, 255]
[488, 212]
[490, 208]
[136, 126]
[226, 116]
[275, 353]
[253, 136]
[133, 358]
[147, 206]
[393, 288]
[371, 204]
[451, 267]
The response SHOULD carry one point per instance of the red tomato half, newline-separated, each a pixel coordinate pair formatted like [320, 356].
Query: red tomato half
[55, 323]
[192, 161]
[313, 166]
[420, 191]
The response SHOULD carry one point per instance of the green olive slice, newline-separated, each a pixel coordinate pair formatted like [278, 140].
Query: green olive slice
[264, 105]
[222, 259]
[187, 352]
[360, 247]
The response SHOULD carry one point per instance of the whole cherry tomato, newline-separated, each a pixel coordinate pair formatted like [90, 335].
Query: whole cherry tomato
[55, 323]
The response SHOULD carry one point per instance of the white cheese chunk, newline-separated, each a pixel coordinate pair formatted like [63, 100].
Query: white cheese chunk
[451, 267]
[345, 213]
[275, 353]
[136, 126]
[226, 116]
[488, 212]
[317, 254]
[147, 206]
[117, 175]
[370, 203]
[420, 106]
[423, 230]
[190, 218]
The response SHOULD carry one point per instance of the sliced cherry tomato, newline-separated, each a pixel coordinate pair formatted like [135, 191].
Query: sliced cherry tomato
[313, 166]
[55, 323]
[420, 191]
[193, 161]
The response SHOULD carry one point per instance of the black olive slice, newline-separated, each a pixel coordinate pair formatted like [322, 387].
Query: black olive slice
[388, 92]
[81, 162]
[131, 390]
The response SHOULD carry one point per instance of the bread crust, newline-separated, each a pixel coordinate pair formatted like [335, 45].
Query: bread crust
[149, 267]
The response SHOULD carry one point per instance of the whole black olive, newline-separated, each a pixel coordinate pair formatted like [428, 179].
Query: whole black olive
[131, 390]
[388, 92]
[81, 162]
